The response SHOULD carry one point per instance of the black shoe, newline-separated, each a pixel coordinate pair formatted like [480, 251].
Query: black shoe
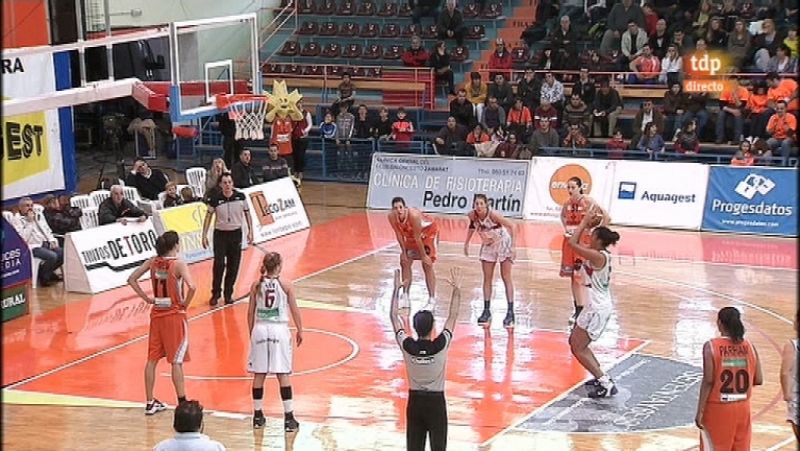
[485, 318]
[290, 424]
[591, 383]
[228, 301]
[259, 421]
[154, 407]
[601, 391]
[508, 322]
[214, 301]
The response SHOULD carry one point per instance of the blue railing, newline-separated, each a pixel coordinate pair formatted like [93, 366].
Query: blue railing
[327, 161]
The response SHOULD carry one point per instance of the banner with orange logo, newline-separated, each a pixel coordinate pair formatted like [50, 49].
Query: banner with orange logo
[276, 209]
[547, 184]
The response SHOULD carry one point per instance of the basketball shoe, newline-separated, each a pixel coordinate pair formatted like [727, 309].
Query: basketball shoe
[154, 407]
[508, 322]
[603, 390]
[259, 420]
[485, 318]
[289, 423]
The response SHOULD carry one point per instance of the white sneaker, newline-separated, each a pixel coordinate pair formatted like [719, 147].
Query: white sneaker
[154, 407]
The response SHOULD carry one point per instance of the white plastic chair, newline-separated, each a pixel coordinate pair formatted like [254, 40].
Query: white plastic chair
[99, 196]
[89, 218]
[196, 178]
[82, 201]
[8, 216]
[130, 193]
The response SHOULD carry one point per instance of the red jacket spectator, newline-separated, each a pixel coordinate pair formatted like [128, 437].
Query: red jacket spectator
[616, 146]
[501, 59]
[416, 55]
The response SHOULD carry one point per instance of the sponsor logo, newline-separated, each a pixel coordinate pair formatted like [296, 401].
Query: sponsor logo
[124, 247]
[558, 182]
[627, 190]
[12, 66]
[11, 260]
[266, 210]
[754, 184]
[24, 146]
[749, 188]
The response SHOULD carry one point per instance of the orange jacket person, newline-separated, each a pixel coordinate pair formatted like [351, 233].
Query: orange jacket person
[731, 368]
[418, 237]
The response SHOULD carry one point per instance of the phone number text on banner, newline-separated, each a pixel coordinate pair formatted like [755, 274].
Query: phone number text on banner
[447, 184]
[275, 209]
[751, 200]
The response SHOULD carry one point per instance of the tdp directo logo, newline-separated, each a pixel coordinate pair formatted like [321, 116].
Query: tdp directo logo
[704, 72]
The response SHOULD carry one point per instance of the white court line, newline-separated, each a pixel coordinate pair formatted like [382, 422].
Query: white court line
[563, 395]
[781, 444]
[201, 315]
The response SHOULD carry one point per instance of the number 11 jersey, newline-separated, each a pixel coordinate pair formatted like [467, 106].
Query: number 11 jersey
[272, 303]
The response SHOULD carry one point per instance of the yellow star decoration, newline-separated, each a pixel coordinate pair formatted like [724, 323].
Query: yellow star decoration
[283, 103]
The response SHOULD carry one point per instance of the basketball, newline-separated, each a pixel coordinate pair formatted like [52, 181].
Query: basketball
[596, 220]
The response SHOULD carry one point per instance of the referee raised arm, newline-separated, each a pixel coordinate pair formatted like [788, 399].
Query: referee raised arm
[229, 206]
[426, 360]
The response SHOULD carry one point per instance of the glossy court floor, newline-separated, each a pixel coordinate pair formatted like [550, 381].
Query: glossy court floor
[72, 369]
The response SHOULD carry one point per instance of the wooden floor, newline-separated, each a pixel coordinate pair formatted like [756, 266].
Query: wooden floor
[72, 369]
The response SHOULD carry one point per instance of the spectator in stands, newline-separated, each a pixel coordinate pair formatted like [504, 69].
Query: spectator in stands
[757, 105]
[416, 55]
[149, 182]
[571, 9]
[716, 37]
[300, 141]
[347, 95]
[33, 229]
[739, 44]
[546, 111]
[544, 61]
[171, 198]
[646, 115]
[783, 62]
[451, 139]
[553, 91]
[519, 120]
[646, 67]
[244, 175]
[791, 41]
[674, 108]
[683, 41]
[276, 166]
[188, 425]
[584, 87]
[650, 19]
[651, 142]
[476, 94]
[440, 62]
[362, 128]
[344, 132]
[575, 138]
[494, 116]
[616, 146]
[618, 19]
[633, 41]
[218, 167]
[382, 129]
[477, 135]
[230, 146]
[118, 209]
[544, 136]
[765, 45]
[743, 156]
[688, 142]
[529, 89]
[402, 129]
[671, 67]
[423, 8]
[576, 113]
[733, 107]
[696, 109]
[62, 219]
[501, 91]
[510, 148]
[450, 24]
[782, 127]
[500, 60]
[605, 110]
[328, 127]
[564, 42]
[779, 89]
[729, 13]
[462, 110]
[701, 15]
[659, 41]
[187, 195]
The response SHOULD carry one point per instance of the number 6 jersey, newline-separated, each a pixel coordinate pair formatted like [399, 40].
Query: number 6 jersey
[734, 370]
[272, 303]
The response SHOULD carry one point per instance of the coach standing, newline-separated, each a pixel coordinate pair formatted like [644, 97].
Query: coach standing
[426, 360]
[230, 208]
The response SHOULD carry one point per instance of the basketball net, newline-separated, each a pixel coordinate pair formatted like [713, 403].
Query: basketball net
[248, 113]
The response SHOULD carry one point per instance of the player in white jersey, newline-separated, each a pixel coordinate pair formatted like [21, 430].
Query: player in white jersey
[789, 378]
[271, 299]
[497, 246]
[593, 318]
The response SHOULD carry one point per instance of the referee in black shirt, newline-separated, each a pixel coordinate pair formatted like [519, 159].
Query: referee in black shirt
[230, 208]
[426, 361]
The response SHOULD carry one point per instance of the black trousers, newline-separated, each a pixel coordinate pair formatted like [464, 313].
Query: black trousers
[426, 414]
[299, 146]
[231, 149]
[227, 255]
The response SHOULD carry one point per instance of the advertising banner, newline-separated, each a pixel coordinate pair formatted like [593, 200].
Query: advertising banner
[276, 209]
[16, 273]
[187, 221]
[547, 184]
[751, 199]
[441, 184]
[659, 194]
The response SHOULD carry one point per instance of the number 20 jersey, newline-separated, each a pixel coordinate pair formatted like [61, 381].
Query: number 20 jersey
[734, 370]
[272, 303]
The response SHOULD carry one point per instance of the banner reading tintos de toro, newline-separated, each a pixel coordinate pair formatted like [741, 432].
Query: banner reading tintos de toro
[447, 184]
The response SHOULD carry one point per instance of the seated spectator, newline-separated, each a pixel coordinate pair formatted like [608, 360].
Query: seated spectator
[529, 89]
[118, 209]
[402, 128]
[577, 113]
[659, 41]
[651, 142]
[765, 45]
[244, 176]
[218, 168]
[546, 61]
[688, 142]
[671, 67]
[494, 116]
[149, 182]
[650, 19]
[382, 128]
[684, 42]
[647, 114]
[739, 44]
[791, 41]
[757, 105]
[782, 127]
[171, 198]
[779, 89]
[37, 234]
[519, 120]
[633, 41]
[553, 91]
[476, 94]
[584, 87]
[605, 110]
[544, 136]
[276, 166]
[347, 95]
[500, 60]
[564, 41]
[328, 128]
[696, 109]
[423, 8]
[761, 151]
[62, 218]
[716, 37]
[575, 138]
[451, 139]
[477, 135]
[450, 24]
[510, 149]
[501, 91]
[616, 146]
[783, 62]
[188, 426]
[462, 110]
[416, 55]
[621, 15]
[743, 156]
[733, 107]
[187, 194]
[674, 107]
[646, 67]
[440, 62]
[546, 112]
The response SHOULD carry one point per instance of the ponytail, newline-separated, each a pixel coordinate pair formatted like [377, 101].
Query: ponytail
[578, 181]
[731, 321]
[606, 236]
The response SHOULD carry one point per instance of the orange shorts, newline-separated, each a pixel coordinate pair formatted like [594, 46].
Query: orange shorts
[430, 239]
[169, 337]
[726, 426]
[570, 261]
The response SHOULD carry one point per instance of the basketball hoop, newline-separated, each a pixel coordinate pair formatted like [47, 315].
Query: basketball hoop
[247, 111]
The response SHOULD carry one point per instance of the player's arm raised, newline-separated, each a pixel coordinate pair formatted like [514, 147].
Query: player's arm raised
[598, 209]
[397, 323]
[186, 276]
[455, 298]
[298, 321]
[597, 259]
[133, 280]
[251, 308]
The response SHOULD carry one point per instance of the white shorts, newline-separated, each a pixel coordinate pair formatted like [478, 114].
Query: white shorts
[499, 250]
[593, 319]
[270, 349]
[791, 412]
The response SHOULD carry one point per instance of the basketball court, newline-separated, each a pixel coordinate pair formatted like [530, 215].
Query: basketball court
[74, 365]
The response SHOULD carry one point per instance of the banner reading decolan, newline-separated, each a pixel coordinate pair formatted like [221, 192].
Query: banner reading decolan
[447, 184]
[31, 142]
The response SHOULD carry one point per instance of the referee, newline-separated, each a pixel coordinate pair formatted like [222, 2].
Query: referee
[230, 208]
[426, 359]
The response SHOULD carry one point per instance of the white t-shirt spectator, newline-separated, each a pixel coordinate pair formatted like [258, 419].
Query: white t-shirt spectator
[189, 441]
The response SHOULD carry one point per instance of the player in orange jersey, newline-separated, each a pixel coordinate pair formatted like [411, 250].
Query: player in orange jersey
[418, 236]
[572, 213]
[169, 331]
[731, 368]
